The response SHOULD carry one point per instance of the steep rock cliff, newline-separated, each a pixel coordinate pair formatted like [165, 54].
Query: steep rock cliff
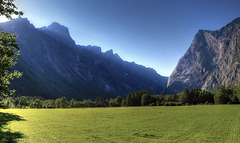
[213, 59]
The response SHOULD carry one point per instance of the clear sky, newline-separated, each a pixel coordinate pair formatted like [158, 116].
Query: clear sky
[154, 33]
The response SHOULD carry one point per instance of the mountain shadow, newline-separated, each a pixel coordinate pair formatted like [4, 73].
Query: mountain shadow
[6, 136]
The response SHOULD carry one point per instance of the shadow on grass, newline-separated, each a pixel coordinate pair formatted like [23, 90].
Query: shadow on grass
[6, 136]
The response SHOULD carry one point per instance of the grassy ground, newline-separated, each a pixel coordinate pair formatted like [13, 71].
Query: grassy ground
[187, 124]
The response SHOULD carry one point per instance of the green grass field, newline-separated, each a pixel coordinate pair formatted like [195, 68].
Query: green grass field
[202, 123]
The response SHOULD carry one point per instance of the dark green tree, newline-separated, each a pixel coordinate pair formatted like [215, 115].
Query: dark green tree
[160, 99]
[106, 102]
[88, 103]
[194, 96]
[58, 103]
[234, 99]
[36, 104]
[49, 103]
[206, 96]
[135, 98]
[112, 102]
[16, 101]
[129, 100]
[152, 100]
[9, 103]
[185, 96]
[118, 101]
[222, 95]
[237, 92]
[124, 102]
[23, 102]
[73, 103]
[100, 101]
[61, 102]
[145, 99]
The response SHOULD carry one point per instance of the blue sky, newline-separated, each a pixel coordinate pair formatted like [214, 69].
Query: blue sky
[154, 33]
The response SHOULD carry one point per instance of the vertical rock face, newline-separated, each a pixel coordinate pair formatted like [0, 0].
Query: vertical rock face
[213, 59]
[54, 66]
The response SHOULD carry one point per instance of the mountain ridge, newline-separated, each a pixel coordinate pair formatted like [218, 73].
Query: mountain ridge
[53, 66]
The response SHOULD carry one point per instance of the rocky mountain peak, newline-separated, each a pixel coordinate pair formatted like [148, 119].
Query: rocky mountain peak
[210, 61]
[59, 32]
[58, 29]
[109, 52]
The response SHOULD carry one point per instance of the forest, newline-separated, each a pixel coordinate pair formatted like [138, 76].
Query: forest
[223, 95]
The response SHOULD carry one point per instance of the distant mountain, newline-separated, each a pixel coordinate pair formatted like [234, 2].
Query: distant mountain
[53, 66]
[213, 59]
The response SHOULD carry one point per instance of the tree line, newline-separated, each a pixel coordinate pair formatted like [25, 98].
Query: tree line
[196, 96]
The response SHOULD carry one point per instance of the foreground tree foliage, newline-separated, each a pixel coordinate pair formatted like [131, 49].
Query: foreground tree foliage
[8, 55]
[8, 52]
[8, 8]
[8, 49]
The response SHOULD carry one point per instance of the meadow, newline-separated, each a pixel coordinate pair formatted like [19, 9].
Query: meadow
[187, 124]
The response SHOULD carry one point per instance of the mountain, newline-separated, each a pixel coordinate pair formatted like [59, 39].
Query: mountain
[54, 66]
[213, 59]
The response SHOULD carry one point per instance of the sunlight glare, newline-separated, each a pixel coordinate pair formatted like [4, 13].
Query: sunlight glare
[3, 19]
